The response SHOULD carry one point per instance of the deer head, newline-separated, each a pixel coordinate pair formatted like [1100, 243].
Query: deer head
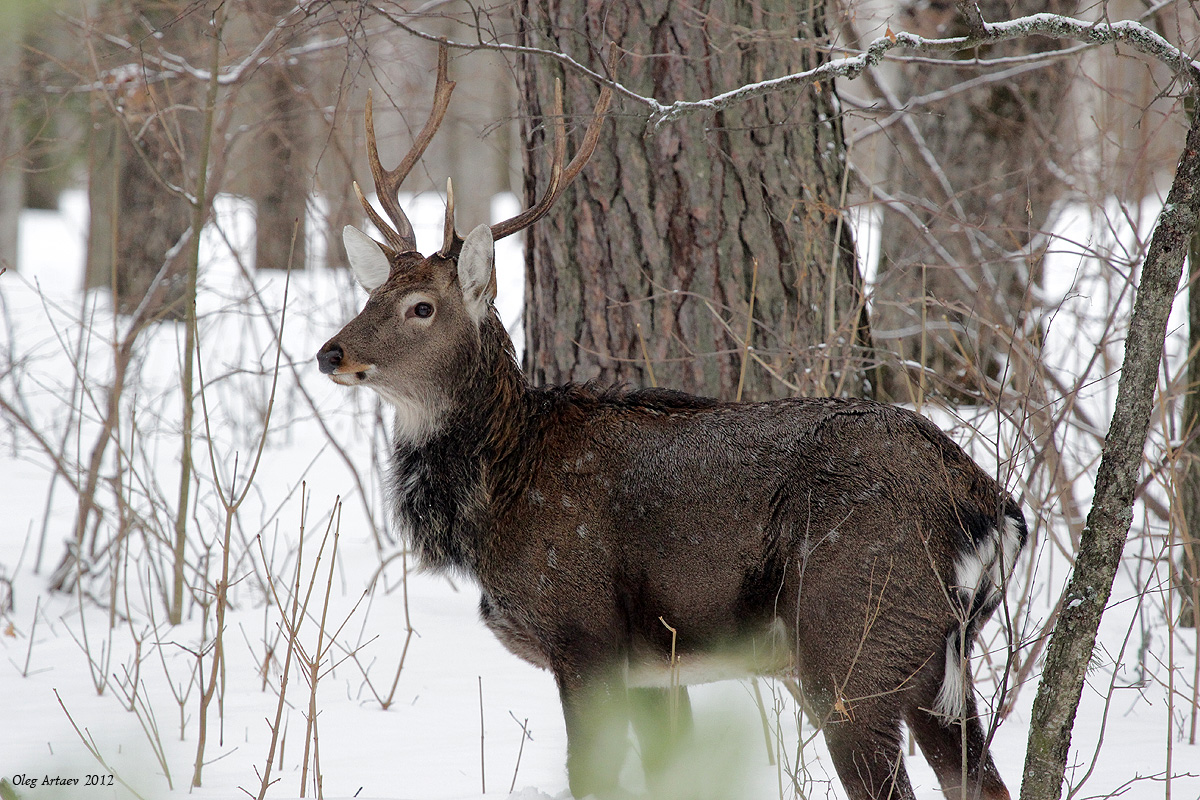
[419, 333]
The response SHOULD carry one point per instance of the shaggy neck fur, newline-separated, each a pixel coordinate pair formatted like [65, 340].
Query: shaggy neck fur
[445, 484]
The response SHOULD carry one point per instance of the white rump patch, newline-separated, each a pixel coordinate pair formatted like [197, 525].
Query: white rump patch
[984, 570]
[980, 575]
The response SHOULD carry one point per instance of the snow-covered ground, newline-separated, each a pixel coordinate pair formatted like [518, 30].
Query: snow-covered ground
[82, 672]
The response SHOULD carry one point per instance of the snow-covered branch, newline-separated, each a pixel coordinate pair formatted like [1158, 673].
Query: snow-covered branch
[1056, 26]
[562, 58]
[168, 64]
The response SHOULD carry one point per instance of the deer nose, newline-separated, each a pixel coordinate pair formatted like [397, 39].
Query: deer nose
[330, 357]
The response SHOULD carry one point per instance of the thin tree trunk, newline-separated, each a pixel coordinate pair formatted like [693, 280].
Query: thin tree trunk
[1074, 637]
[12, 161]
[1187, 576]
[643, 272]
[281, 179]
[334, 170]
[200, 212]
[150, 132]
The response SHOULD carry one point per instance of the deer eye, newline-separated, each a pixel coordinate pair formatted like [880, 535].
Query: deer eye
[423, 310]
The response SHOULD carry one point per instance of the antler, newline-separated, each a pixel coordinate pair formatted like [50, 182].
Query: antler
[387, 182]
[400, 236]
[560, 177]
[450, 238]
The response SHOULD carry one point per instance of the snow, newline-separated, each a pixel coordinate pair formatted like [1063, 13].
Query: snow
[64, 666]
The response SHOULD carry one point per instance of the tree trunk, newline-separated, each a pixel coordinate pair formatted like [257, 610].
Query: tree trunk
[12, 161]
[1074, 637]
[335, 155]
[643, 272]
[138, 219]
[137, 154]
[1187, 576]
[474, 142]
[954, 289]
[281, 170]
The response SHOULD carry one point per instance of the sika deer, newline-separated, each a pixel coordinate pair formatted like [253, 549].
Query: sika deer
[847, 543]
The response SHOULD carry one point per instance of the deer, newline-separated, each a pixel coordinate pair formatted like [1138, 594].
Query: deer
[628, 539]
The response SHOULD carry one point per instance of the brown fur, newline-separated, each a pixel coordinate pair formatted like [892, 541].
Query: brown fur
[820, 537]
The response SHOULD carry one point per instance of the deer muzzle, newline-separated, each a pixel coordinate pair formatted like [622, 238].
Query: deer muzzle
[332, 361]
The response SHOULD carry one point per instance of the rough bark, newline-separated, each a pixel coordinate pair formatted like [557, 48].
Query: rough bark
[282, 168]
[1187, 575]
[953, 292]
[1108, 522]
[142, 139]
[643, 272]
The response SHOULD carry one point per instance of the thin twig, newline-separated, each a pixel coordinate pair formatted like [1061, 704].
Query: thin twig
[90, 744]
[482, 770]
[524, 735]
[749, 329]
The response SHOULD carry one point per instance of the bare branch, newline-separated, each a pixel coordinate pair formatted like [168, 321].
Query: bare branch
[1055, 26]
[1134, 34]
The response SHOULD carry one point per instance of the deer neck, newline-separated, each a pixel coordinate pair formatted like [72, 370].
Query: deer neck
[446, 485]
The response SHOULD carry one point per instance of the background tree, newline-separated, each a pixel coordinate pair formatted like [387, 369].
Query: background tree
[645, 270]
[977, 171]
[146, 128]
[280, 163]
[476, 145]
[12, 162]
[1187, 573]
[127, 488]
[1072, 646]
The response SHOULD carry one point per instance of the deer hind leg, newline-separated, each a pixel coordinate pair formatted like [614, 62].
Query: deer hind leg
[866, 751]
[957, 751]
[943, 718]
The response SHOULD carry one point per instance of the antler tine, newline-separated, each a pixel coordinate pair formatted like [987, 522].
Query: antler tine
[395, 243]
[449, 235]
[560, 177]
[387, 182]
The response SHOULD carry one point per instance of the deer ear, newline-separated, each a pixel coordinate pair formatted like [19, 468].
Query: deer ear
[477, 272]
[367, 259]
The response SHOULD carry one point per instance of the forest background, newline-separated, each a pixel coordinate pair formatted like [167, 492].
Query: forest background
[985, 220]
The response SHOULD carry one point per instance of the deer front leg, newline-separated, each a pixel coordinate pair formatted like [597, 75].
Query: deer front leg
[662, 720]
[596, 711]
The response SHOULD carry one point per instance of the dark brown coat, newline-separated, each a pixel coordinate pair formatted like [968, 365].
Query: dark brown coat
[847, 543]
